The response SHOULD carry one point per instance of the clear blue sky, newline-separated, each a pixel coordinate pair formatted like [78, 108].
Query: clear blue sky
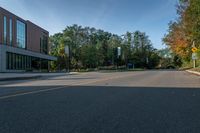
[116, 16]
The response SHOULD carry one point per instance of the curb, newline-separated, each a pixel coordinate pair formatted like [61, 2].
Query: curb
[19, 78]
[193, 72]
[35, 77]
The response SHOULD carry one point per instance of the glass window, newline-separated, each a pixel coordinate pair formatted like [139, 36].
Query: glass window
[11, 32]
[20, 62]
[44, 45]
[4, 29]
[23, 62]
[40, 45]
[17, 61]
[10, 61]
[7, 60]
[21, 34]
[29, 62]
[14, 61]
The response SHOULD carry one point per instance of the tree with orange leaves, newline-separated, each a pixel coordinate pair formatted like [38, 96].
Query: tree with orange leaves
[185, 30]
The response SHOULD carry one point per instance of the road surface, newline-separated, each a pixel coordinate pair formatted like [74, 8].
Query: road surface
[122, 102]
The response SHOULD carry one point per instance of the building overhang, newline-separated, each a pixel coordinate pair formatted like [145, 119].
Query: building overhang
[6, 48]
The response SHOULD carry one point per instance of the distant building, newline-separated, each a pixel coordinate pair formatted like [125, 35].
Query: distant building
[23, 45]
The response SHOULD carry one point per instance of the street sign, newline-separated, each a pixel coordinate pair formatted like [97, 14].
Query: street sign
[194, 49]
[194, 56]
[67, 50]
[119, 51]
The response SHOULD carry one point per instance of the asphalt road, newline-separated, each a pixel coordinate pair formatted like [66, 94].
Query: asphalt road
[124, 102]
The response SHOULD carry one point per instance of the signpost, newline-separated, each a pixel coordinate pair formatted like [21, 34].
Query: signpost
[118, 51]
[67, 52]
[194, 54]
[118, 55]
[194, 49]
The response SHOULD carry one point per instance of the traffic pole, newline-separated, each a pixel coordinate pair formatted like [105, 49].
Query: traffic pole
[194, 62]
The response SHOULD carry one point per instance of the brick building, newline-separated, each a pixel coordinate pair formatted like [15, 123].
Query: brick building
[23, 45]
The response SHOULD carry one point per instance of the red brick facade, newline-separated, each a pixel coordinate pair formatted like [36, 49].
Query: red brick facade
[33, 32]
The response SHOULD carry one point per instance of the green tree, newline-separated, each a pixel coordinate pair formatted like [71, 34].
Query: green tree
[91, 48]
[185, 29]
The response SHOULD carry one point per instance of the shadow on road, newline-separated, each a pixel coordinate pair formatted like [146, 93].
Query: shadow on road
[56, 78]
[92, 89]
[100, 109]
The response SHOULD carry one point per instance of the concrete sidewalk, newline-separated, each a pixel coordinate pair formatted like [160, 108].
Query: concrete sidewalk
[25, 76]
[193, 72]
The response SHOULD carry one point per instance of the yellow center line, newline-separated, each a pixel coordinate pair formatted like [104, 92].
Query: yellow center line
[61, 87]
[31, 92]
[105, 79]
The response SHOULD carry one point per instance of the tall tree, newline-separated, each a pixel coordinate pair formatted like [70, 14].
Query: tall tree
[185, 30]
[91, 48]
